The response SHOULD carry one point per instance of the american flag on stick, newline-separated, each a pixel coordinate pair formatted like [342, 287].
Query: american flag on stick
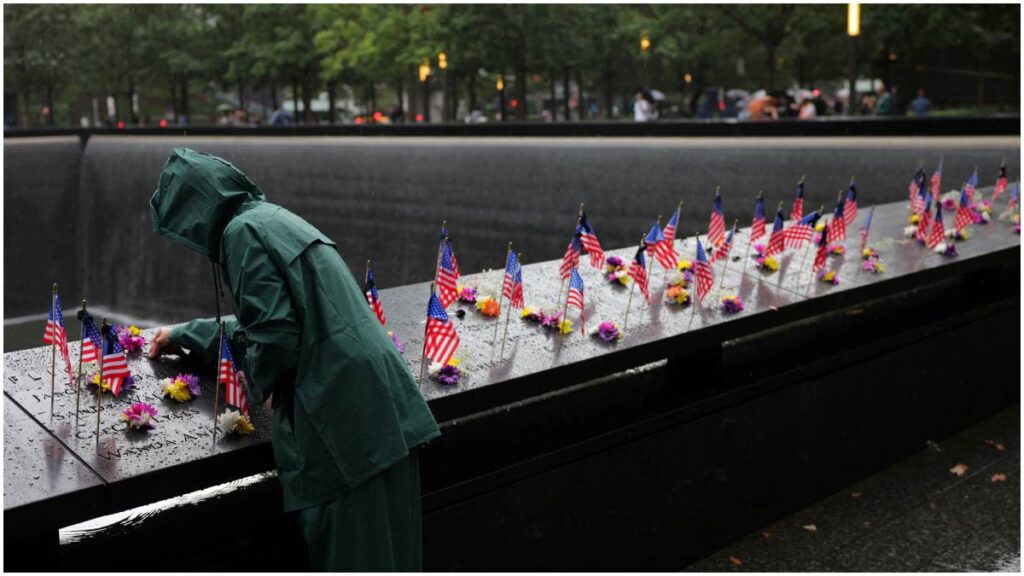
[938, 233]
[227, 374]
[56, 335]
[1001, 182]
[518, 301]
[447, 276]
[511, 265]
[963, 210]
[801, 231]
[373, 296]
[797, 212]
[115, 363]
[1012, 202]
[821, 256]
[915, 183]
[972, 185]
[936, 181]
[589, 239]
[571, 258]
[757, 225]
[925, 220]
[703, 274]
[850, 206]
[838, 231]
[441, 340]
[92, 342]
[776, 242]
[865, 228]
[638, 271]
[657, 247]
[670, 234]
[716, 227]
[917, 201]
[723, 251]
[575, 297]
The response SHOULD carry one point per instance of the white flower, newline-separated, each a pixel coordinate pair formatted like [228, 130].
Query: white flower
[434, 369]
[940, 247]
[910, 231]
[228, 421]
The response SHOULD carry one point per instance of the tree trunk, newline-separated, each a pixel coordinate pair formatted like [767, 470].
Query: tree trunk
[769, 72]
[608, 95]
[453, 97]
[273, 96]
[414, 105]
[472, 92]
[554, 97]
[26, 104]
[174, 98]
[307, 103]
[331, 112]
[400, 90]
[295, 101]
[184, 98]
[582, 99]
[521, 91]
[241, 94]
[373, 98]
[565, 94]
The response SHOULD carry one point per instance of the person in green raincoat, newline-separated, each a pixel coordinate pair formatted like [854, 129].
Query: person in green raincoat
[347, 414]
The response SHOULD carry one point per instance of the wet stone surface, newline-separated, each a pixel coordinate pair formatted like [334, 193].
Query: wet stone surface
[184, 432]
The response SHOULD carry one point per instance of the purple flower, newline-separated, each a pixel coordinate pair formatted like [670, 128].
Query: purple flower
[613, 261]
[192, 381]
[398, 343]
[468, 294]
[949, 204]
[129, 338]
[950, 250]
[1016, 228]
[608, 331]
[732, 304]
[759, 249]
[140, 416]
[449, 374]
[551, 321]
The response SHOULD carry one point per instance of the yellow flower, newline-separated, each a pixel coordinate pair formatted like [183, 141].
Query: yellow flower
[565, 326]
[454, 362]
[677, 294]
[488, 306]
[914, 218]
[134, 330]
[105, 386]
[244, 425]
[177, 390]
[685, 265]
[526, 312]
[819, 226]
[879, 266]
[458, 288]
[771, 263]
[623, 278]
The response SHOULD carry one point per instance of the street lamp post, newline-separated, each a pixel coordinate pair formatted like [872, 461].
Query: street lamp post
[500, 86]
[853, 31]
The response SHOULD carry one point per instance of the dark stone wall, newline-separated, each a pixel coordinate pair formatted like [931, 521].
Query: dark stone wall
[40, 227]
[384, 198]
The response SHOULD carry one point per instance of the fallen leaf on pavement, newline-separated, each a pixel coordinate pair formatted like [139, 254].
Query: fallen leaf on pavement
[811, 528]
[959, 469]
[998, 477]
[855, 494]
[997, 445]
[735, 561]
[766, 533]
[854, 311]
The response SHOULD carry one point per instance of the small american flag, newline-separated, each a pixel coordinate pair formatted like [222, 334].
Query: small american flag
[723, 251]
[92, 342]
[938, 233]
[703, 273]
[925, 220]
[373, 296]
[850, 206]
[442, 341]
[115, 363]
[1001, 182]
[757, 226]
[797, 212]
[776, 243]
[227, 374]
[716, 227]
[590, 243]
[963, 210]
[575, 297]
[638, 271]
[865, 228]
[670, 235]
[915, 184]
[801, 231]
[917, 200]
[656, 246]
[972, 185]
[821, 256]
[55, 333]
[1012, 202]
[936, 181]
[571, 258]
[511, 265]
[447, 276]
[838, 231]
[518, 300]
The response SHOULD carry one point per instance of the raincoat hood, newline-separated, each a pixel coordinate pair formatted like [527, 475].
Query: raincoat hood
[196, 197]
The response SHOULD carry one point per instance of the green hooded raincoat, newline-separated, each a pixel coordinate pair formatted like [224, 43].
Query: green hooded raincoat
[346, 407]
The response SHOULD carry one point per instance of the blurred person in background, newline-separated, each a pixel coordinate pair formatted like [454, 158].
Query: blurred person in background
[884, 104]
[643, 110]
[764, 107]
[921, 105]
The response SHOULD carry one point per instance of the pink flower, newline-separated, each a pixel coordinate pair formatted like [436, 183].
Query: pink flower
[140, 416]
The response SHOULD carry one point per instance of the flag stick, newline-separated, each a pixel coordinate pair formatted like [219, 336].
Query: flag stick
[501, 298]
[440, 246]
[53, 343]
[78, 379]
[366, 277]
[216, 382]
[423, 355]
[725, 264]
[508, 311]
[693, 292]
[99, 385]
[629, 301]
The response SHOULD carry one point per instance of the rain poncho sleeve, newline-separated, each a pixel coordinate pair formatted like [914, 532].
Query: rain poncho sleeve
[202, 339]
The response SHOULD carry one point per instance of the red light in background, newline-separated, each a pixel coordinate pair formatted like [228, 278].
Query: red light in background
[163, 123]
[377, 116]
[120, 124]
[816, 92]
[721, 106]
[359, 120]
[419, 117]
[515, 102]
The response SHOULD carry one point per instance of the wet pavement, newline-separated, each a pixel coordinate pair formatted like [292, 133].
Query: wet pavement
[918, 515]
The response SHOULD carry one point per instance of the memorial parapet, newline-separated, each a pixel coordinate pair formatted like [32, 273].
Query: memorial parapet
[180, 454]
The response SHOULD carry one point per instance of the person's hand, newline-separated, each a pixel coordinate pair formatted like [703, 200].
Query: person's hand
[161, 343]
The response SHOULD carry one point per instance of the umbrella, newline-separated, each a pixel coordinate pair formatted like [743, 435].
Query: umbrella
[658, 95]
